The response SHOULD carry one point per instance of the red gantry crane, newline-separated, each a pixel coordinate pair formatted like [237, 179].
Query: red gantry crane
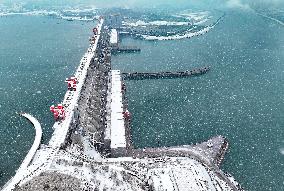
[58, 112]
[71, 83]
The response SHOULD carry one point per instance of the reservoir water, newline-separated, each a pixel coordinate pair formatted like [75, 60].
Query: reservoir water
[242, 97]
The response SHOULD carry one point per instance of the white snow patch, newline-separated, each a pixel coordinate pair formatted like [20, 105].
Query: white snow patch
[177, 36]
[271, 18]
[194, 17]
[155, 23]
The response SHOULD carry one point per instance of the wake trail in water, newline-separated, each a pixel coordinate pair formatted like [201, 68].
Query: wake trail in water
[271, 18]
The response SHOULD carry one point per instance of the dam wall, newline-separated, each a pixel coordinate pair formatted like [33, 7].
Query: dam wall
[94, 142]
[71, 98]
[92, 106]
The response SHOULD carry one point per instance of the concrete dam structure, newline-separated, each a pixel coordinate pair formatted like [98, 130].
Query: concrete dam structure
[91, 146]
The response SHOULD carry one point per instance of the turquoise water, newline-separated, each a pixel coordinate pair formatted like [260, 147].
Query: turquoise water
[242, 97]
[36, 55]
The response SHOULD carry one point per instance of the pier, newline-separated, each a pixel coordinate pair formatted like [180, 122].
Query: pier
[37, 140]
[26, 162]
[163, 75]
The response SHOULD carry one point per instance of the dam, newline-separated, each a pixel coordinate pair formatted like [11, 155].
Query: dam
[91, 146]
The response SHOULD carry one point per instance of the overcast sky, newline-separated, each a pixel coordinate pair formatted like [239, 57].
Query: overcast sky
[243, 4]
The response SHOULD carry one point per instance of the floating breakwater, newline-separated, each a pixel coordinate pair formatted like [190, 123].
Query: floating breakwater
[158, 75]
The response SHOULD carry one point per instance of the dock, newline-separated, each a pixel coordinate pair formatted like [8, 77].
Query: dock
[159, 75]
